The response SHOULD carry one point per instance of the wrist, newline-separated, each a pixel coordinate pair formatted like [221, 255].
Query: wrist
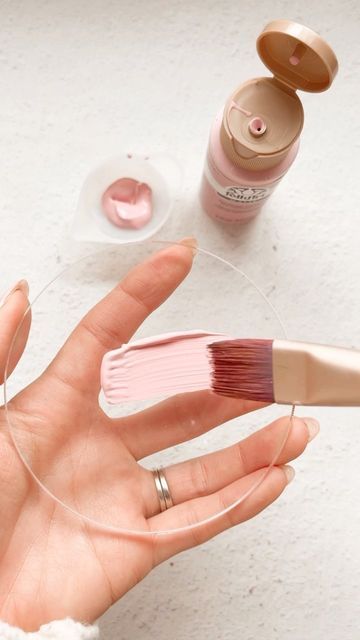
[66, 629]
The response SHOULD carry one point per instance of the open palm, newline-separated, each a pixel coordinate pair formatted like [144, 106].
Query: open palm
[53, 564]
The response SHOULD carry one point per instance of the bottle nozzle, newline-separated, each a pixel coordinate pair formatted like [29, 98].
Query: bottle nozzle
[257, 126]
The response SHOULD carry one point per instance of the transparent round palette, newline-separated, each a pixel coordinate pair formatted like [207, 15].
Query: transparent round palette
[76, 447]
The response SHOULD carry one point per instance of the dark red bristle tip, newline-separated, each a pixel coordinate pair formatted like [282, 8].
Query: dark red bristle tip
[242, 369]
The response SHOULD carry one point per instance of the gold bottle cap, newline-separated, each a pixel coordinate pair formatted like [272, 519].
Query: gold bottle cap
[264, 116]
[297, 56]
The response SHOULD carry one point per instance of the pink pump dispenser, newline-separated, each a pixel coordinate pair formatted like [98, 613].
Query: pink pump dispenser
[255, 139]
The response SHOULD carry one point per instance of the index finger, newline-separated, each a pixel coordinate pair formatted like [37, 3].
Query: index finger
[117, 316]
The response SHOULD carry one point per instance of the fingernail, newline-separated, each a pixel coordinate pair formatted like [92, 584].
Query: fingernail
[289, 472]
[313, 427]
[190, 242]
[21, 285]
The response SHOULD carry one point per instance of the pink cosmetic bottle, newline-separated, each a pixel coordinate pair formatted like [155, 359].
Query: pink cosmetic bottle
[255, 138]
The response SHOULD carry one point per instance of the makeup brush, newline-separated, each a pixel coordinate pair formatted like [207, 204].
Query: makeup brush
[285, 372]
[278, 371]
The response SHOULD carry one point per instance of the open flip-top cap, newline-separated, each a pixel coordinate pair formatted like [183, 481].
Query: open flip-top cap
[297, 56]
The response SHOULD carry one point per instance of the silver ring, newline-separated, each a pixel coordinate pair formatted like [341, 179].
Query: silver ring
[162, 489]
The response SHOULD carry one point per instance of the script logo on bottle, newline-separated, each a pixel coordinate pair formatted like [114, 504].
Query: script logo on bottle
[245, 194]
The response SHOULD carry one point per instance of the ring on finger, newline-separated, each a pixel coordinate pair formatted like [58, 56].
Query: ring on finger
[162, 489]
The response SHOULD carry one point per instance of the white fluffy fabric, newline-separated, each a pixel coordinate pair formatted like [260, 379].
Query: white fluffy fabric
[58, 630]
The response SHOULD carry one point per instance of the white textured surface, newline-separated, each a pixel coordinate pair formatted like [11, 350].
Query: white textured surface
[81, 80]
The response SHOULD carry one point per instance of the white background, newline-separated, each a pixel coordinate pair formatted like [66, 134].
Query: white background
[83, 80]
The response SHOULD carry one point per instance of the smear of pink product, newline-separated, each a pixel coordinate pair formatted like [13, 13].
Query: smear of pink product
[127, 203]
[137, 371]
[230, 193]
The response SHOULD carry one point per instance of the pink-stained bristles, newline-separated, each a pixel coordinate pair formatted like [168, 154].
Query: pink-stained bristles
[242, 369]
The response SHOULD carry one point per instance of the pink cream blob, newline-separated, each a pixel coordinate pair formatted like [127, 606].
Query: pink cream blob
[127, 203]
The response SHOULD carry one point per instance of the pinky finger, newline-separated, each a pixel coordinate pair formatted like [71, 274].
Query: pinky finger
[270, 484]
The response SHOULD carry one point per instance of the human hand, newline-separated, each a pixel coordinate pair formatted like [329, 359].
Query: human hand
[53, 564]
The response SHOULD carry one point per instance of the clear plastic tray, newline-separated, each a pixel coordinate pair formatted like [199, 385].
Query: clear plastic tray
[80, 461]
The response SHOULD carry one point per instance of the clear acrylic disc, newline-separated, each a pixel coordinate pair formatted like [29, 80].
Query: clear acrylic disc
[75, 449]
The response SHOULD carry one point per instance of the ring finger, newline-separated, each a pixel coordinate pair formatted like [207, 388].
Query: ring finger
[207, 474]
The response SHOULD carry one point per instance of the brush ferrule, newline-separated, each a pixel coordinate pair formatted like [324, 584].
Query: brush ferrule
[309, 374]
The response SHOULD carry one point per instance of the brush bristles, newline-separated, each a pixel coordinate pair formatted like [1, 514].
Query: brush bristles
[242, 369]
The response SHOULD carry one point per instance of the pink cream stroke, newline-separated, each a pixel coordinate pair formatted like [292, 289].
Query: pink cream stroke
[159, 366]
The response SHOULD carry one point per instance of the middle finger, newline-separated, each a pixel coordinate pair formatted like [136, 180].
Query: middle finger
[178, 419]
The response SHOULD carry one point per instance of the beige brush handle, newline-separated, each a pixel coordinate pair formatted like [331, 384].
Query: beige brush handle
[318, 375]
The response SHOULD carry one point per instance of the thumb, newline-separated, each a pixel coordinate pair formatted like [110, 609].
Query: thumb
[13, 306]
